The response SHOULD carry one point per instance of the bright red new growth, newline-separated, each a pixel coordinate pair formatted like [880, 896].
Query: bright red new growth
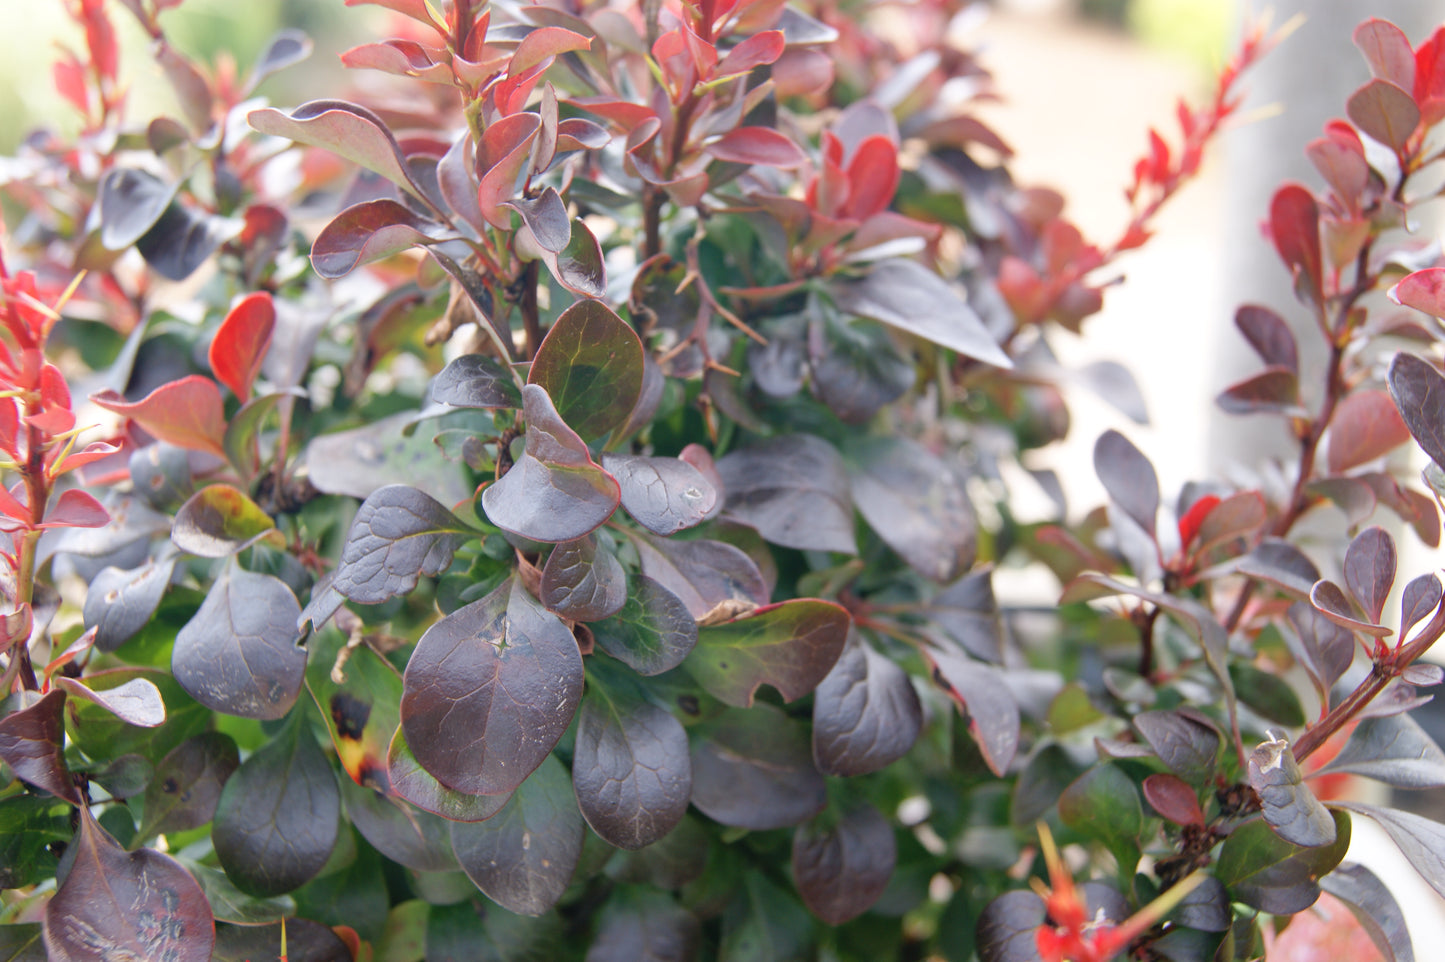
[1193, 518]
[240, 344]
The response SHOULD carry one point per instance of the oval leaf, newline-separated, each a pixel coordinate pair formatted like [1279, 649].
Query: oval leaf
[793, 490]
[1370, 570]
[752, 769]
[240, 344]
[1365, 426]
[398, 534]
[590, 365]
[218, 521]
[664, 495]
[981, 693]
[1290, 808]
[187, 784]
[916, 503]
[652, 633]
[1419, 394]
[187, 413]
[791, 646]
[345, 129]
[32, 743]
[1128, 477]
[866, 713]
[136, 702]
[757, 145]
[842, 868]
[120, 603]
[366, 232]
[418, 786]
[1384, 112]
[476, 381]
[583, 582]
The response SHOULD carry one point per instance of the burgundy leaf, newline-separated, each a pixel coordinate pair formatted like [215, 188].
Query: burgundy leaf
[345, 129]
[120, 603]
[457, 182]
[119, 904]
[1419, 393]
[757, 145]
[705, 575]
[916, 503]
[1282, 565]
[489, 690]
[187, 784]
[1370, 570]
[1330, 601]
[476, 381]
[1365, 426]
[1237, 516]
[1128, 477]
[752, 769]
[398, 535]
[1422, 290]
[1323, 648]
[1186, 743]
[368, 232]
[240, 344]
[579, 266]
[1387, 50]
[546, 217]
[288, 47]
[866, 713]
[76, 509]
[1421, 597]
[1174, 799]
[409, 781]
[631, 769]
[982, 695]
[761, 48]
[131, 201]
[418, 840]
[32, 743]
[1294, 223]
[501, 158]
[555, 492]
[1275, 390]
[1394, 750]
[664, 495]
[793, 490]
[219, 520]
[582, 581]
[841, 868]
[1384, 112]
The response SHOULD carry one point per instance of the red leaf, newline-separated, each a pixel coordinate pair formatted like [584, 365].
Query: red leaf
[504, 151]
[240, 344]
[94, 451]
[872, 176]
[1365, 426]
[1422, 290]
[76, 509]
[188, 413]
[69, 76]
[1429, 88]
[759, 49]
[757, 145]
[543, 44]
[1189, 524]
[1294, 223]
[1171, 797]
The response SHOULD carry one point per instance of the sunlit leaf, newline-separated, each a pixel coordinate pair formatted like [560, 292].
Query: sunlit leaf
[345, 129]
[188, 413]
[240, 344]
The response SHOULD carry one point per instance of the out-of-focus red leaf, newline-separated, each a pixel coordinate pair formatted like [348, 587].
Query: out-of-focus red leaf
[345, 129]
[872, 176]
[240, 344]
[92, 452]
[1422, 290]
[1294, 224]
[1189, 524]
[1365, 426]
[541, 45]
[757, 145]
[1385, 112]
[415, 9]
[1429, 88]
[759, 49]
[1387, 51]
[1342, 165]
[69, 76]
[188, 413]
[406, 58]
[76, 509]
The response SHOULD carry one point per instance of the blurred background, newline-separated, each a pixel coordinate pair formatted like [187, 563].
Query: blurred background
[1081, 82]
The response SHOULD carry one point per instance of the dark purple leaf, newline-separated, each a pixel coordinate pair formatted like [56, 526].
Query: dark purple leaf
[1281, 564]
[791, 646]
[115, 904]
[1387, 51]
[1263, 870]
[1173, 798]
[288, 47]
[1275, 390]
[190, 85]
[1269, 335]
[904, 294]
[366, 232]
[136, 702]
[489, 690]
[1370, 570]
[1323, 648]
[306, 941]
[640, 925]
[841, 866]
[347, 130]
[1398, 696]
[579, 266]
[590, 365]
[476, 381]
[187, 784]
[1104, 804]
[753, 769]
[1367, 897]
[664, 495]
[631, 769]
[1365, 426]
[398, 534]
[1290, 808]
[706, 576]
[1419, 393]
[523, 857]
[131, 201]
[1420, 840]
[409, 837]
[277, 818]
[1128, 477]
[555, 492]
[1007, 928]
[1394, 750]
[546, 217]
[1237, 516]
[757, 145]
[968, 612]
[982, 695]
[866, 713]
[363, 460]
[793, 490]
[1420, 598]
[32, 743]
[857, 369]
[409, 781]
[916, 503]
[1330, 600]
[120, 603]
[457, 181]
[1384, 112]
[182, 240]
[583, 582]
[1186, 745]
[220, 520]
[241, 652]
[652, 633]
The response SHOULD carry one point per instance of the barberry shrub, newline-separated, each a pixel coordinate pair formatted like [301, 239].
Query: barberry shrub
[530, 512]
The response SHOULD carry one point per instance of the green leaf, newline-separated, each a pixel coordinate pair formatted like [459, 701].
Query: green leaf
[791, 646]
[360, 709]
[1266, 872]
[1104, 804]
[1269, 695]
[590, 365]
